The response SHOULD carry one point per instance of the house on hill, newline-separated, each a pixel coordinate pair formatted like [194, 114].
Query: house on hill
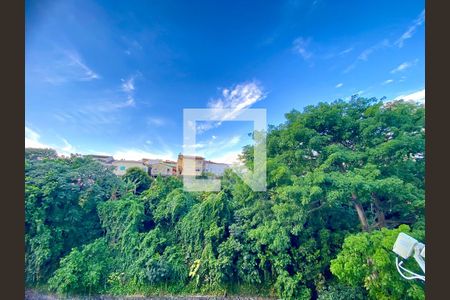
[189, 165]
[105, 159]
[122, 165]
[217, 169]
[196, 166]
[162, 168]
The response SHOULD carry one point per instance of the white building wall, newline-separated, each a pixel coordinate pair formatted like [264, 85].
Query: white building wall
[215, 168]
[121, 166]
[162, 169]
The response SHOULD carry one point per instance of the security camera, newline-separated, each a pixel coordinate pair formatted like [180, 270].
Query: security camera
[406, 246]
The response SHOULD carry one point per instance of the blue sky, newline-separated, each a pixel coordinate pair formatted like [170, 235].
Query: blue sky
[113, 77]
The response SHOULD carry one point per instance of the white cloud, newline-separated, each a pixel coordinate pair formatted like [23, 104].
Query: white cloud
[67, 146]
[128, 88]
[75, 60]
[300, 46]
[227, 157]
[403, 66]
[91, 118]
[128, 85]
[418, 96]
[241, 96]
[411, 30]
[98, 112]
[345, 51]
[365, 54]
[64, 66]
[33, 139]
[339, 85]
[155, 121]
[236, 99]
[108, 106]
[387, 81]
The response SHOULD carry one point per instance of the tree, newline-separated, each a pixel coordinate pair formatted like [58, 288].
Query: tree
[61, 197]
[341, 177]
[139, 178]
[84, 271]
[367, 260]
[359, 154]
[40, 154]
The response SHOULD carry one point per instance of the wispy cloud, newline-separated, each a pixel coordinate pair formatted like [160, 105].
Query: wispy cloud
[104, 109]
[128, 85]
[235, 99]
[387, 81]
[345, 51]
[33, 140]
[418, 96]
[239, 97]
[156, 121]
[68, 148]
[132, 45]
[339, 85]
[365, 54]
[109, 106]
[411, 30]
[76, 60]
[66, 66]
[95, 117]
[404, 66]
[300, 45]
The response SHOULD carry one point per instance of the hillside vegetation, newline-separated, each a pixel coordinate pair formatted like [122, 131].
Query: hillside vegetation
[344, 178]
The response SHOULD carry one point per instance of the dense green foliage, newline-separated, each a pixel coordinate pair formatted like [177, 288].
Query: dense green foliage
[366, 260]
[138, 178]
[342, 179]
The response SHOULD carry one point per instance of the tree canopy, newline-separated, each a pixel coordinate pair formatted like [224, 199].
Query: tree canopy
[343, 179]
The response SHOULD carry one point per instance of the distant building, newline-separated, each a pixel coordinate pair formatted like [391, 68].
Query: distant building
[185, 165]
[215, 168]
[162, 168]
[196, 166]
[121, 166]
[106, 159]
[190, 165]
[150, 161]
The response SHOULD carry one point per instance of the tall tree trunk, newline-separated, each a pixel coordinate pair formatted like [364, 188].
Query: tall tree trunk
[381, 220]
[361, 214]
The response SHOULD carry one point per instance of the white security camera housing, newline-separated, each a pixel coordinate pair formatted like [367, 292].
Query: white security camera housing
[404, 245]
